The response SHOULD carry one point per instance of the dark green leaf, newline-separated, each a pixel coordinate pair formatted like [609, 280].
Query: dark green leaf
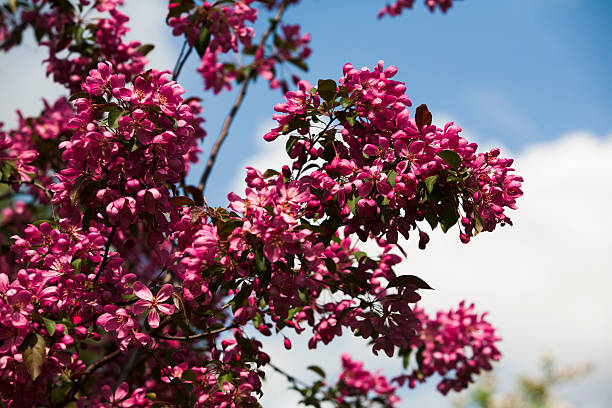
[405, 280]
[449, 215]
[431, 217]
[228, 227]
[451, 158]
[78, 95]
[202, 42]
[290, 143]
[331, 265]
[298, 62]
[317, 370]
[145, 49]
[34, 354]
[189, 375]
[241, 296]
[327, 89]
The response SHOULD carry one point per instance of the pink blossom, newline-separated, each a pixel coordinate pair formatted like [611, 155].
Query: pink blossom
[151, 303]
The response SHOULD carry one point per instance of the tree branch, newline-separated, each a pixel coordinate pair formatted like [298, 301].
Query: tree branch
[195, 336]
[106, 249]
[239, 99]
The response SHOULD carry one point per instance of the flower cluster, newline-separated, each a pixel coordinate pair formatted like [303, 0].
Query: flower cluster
[457, 345]
[76, 45]
[385, 171]
[221, 28]
[354, 379]
[121, 286]
[396, 8]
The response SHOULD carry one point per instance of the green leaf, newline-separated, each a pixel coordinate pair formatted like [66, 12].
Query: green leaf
[351, 119]
[391, 177]
[406, 358]
[228, 227]
[478, 227]
[352, 204]
[451, 158]
[317, 370]
[290, 143]
[89, 212]
[431, 218]
[359, 254]
[449, 215]
[50, 324]
[77, 264]
[241, 296]
[202, 42]
[345, 102]
[113, 117]
[270, 173]
[78, 35]
[430, 182]
[327, 89]
[298, 62]
[34, 354]
[227, 377]
[260, 261]
[331, 266]
[78, 95]
[189, 375]
[145, 49]
[405, 280]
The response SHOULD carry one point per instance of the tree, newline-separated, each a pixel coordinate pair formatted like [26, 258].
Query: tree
[121, 286]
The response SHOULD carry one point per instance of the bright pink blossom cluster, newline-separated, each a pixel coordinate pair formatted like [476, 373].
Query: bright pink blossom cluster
[457, 345]
[385, 171]
[396, 8]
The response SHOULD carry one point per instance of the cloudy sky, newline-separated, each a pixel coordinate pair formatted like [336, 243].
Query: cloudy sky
[533, 77]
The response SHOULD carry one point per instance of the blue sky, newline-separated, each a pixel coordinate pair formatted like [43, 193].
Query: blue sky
[513, 71]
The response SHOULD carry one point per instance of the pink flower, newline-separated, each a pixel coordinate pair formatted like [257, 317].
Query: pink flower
[116, 319]
[152, 303]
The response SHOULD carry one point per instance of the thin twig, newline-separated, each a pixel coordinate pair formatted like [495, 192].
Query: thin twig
[181, 63]
[84, 376]
[288, 376]
[239, 99]
[195, 336]
[106, 250]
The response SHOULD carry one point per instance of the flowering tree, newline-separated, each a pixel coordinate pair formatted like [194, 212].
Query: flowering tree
[121, 286]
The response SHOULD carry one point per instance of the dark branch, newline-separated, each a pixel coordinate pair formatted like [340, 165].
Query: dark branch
[239, 99]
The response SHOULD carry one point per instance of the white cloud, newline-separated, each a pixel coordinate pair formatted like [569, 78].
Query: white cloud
[545, 281]
[25, 80]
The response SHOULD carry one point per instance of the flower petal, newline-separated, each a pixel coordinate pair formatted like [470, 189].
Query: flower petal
[153, 319]
[165, 292]
[165, 308]
[142, 291]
